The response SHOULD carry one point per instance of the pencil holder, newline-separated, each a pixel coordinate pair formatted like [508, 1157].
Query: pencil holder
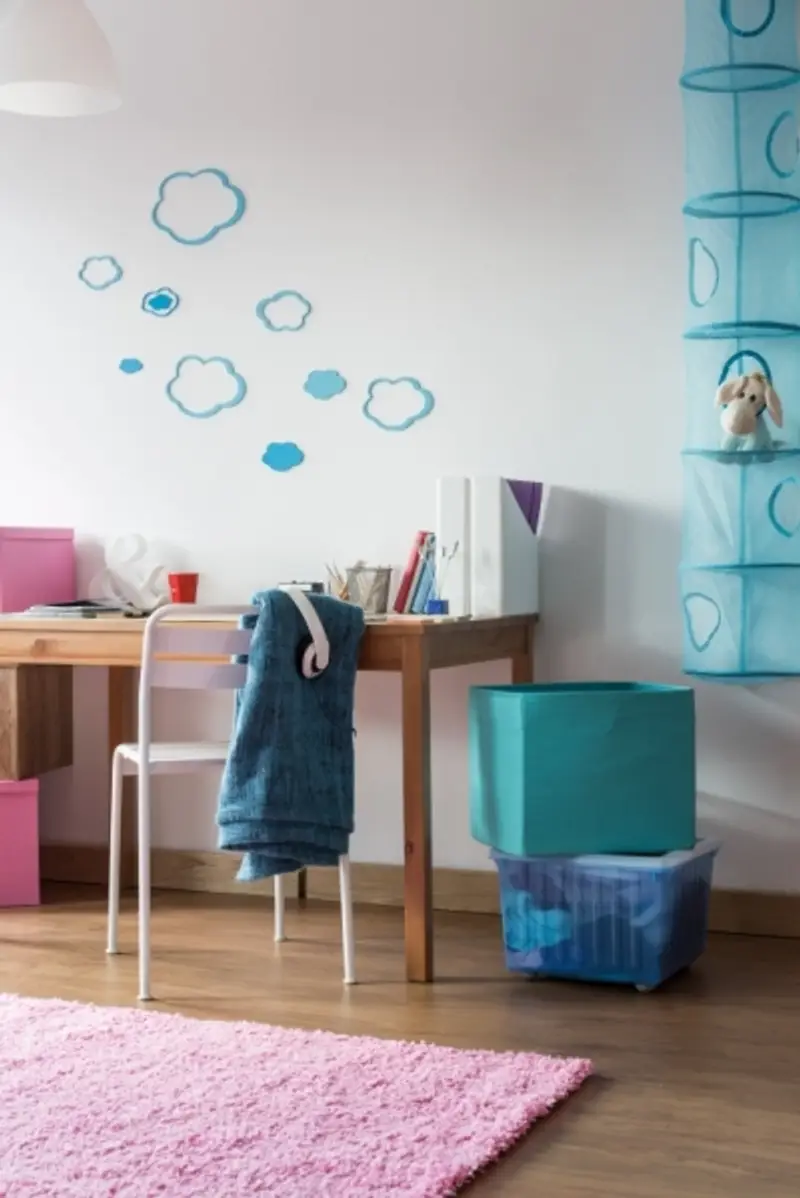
[368, 587]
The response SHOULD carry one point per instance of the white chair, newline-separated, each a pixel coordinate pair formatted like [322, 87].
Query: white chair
[175, 655]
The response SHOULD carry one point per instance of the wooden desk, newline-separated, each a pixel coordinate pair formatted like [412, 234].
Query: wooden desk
[411, 648]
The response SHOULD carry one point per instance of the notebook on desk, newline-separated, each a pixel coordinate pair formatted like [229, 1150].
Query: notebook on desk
[80, 609]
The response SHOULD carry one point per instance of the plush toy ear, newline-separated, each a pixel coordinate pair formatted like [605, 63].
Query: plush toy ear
[774, 405]
[727, 391]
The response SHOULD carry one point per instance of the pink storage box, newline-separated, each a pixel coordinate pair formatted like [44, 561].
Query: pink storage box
[19, 844]
[37, 565]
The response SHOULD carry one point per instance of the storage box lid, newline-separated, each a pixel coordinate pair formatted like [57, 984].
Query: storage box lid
[571, 689]
[37, 534]
[600, 861]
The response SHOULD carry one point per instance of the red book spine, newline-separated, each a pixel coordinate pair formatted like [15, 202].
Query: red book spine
[408, 574]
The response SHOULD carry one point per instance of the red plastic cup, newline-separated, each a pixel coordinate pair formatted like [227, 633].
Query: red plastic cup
[183, 587]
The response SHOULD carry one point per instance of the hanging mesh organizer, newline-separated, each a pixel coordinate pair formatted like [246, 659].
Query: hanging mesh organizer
[740, 575]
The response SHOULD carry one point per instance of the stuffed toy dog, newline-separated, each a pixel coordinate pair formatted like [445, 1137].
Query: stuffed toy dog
[744, 401]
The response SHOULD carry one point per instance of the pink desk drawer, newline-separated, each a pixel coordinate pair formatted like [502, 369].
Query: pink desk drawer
[19, 844]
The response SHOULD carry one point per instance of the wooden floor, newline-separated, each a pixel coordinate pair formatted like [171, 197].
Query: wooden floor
[698, 1086]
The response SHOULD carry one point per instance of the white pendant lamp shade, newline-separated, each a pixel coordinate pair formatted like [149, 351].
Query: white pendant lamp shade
[55, 60]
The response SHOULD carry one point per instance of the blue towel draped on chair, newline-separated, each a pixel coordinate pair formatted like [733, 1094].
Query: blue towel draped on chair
[287, 793]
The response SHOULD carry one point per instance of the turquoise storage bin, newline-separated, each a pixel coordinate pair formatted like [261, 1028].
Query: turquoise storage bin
[585, 767]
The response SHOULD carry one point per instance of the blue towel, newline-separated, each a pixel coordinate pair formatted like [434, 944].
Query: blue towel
[287, 793]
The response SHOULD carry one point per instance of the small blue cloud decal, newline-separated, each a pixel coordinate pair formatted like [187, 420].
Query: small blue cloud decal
[193, 207]
[100, 272]
[395, 404]
[162, 302]
[325, 384]
[131, 365]
[284, 312]
[283, 456]
[202, 387]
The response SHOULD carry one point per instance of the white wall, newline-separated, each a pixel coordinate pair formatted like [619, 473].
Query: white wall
[484, 193]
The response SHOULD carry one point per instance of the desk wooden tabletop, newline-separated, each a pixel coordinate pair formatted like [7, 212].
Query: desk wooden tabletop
[27, 640]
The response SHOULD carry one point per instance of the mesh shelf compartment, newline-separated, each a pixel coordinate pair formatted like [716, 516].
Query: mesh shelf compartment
[742, 508]
[740, 622]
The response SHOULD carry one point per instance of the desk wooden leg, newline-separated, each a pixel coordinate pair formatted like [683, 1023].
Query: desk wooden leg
[122, 728]
[522, 664]
[417, 810]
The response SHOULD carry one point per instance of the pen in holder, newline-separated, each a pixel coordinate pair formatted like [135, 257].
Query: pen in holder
[365, 586]
[437, 605]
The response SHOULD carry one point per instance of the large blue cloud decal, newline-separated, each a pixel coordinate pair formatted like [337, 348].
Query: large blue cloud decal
[203, 387]
[193, 207]
[284, 312]
[396, 404]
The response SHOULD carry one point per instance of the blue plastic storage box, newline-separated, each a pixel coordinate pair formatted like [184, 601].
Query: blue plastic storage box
[583, 767]
[635, 920]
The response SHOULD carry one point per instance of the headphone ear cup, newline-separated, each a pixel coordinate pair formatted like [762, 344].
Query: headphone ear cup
[307, 659]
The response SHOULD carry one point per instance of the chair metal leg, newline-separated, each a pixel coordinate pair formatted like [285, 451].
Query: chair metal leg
[348, 936]
[279, 885]
[114, 853]
[144, 881]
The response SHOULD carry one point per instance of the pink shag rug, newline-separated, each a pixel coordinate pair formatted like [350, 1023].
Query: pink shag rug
[111, 1103]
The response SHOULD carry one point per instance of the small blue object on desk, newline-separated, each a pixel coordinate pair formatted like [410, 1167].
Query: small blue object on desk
[437, 607]
[630, 920]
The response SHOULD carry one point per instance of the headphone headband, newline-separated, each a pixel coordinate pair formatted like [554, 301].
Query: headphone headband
[316, 657]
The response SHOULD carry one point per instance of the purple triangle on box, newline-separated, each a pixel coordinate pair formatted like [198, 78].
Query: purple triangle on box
[529, 498]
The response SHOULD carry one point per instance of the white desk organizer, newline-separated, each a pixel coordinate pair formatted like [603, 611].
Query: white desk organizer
[495, 570]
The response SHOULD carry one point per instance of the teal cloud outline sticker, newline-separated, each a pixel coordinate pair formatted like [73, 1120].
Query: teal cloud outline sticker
[295, 307]
[783, 145]
[400, 403]
[214, 191]
[703, 619]
[282, 456]
[325, 384]
[228, 388]
[100, 271]
[162, 302]
[783, 507]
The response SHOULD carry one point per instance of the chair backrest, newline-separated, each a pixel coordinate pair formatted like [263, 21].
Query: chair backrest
[180, 654]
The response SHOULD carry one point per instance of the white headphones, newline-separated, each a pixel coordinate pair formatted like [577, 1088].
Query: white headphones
[314, 651]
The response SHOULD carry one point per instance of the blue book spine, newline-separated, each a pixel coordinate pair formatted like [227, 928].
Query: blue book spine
[427, 580]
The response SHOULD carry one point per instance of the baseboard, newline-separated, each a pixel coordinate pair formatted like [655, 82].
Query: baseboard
[171, 869]
[750, 913]
[215, 873]
[755, 913]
